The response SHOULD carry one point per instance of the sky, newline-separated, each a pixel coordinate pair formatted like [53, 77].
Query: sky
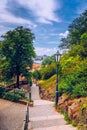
[47, 19]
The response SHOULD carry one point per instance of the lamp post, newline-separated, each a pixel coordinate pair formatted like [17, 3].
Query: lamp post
[56, 92]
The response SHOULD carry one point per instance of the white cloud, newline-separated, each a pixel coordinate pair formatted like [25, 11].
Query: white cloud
[44, 10]
[6, 16]
[45, 51]
[64, 34]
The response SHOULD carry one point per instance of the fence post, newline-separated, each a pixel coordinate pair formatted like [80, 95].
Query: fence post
[27, 113]
[30, 95]
[26, 118]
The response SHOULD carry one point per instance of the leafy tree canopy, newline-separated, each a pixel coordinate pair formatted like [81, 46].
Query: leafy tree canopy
[76, 29]
[17, 53]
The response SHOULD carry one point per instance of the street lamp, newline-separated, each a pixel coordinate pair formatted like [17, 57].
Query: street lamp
[56, 92]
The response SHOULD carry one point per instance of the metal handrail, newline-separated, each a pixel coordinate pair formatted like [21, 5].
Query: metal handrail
[26, 119]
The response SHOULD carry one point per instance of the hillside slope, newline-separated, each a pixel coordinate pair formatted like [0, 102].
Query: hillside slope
[75, 109]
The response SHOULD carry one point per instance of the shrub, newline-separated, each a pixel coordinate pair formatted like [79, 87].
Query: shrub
[14, 95]
[74, 85]
[20, 93]
[79, 90]
[2, 90]
[37, 75]
[49, 60]
[48, 71]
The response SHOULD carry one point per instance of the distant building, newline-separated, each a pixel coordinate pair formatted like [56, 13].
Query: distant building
[39, 59]
[44, 57]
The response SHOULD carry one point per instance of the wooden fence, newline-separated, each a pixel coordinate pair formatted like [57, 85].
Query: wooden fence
[12, 86]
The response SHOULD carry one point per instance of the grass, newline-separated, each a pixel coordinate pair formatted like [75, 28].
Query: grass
[48, 83]
[67, 118]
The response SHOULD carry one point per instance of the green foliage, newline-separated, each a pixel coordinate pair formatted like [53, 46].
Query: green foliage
[74, 82]
[17, 53]
[2, 90]
[83, 39]
[30, 82]
[72, 69]
[84, 107]
[79, 90]
[66, 116]
[48, 71]
[48, 83]
[37, 75]
[72, 74]
[14, 95]
[49, 60]
[83, 116]
[76, 29]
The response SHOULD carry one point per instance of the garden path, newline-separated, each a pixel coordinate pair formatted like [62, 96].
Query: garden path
[43, 115]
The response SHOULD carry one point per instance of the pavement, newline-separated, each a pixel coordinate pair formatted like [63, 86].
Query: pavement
[43, 115]
[11, 115]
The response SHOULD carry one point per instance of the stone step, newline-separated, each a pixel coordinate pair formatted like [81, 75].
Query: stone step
[43, 115]
[62, 127]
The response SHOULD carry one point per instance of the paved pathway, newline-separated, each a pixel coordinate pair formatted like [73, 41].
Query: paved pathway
[43, 115]
[11, 115]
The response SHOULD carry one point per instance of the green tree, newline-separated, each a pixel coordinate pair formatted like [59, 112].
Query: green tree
[48, 60]
[48, 71]
[17, 53]
[37, 74]
[76, 29]
[73, 79]
[83, 39]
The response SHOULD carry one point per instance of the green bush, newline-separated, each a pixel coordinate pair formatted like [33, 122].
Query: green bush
[37, 75]
[2, 90]
[74, 85]
[20, 93]
[14, 95]
[48, 71]
[49, 60]
[79, 90]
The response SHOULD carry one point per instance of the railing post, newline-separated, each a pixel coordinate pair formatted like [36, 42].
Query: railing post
[27, 113]
[30, 95]
[26, 118]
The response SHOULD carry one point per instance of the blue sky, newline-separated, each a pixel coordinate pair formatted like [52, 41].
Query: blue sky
[48, 19]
